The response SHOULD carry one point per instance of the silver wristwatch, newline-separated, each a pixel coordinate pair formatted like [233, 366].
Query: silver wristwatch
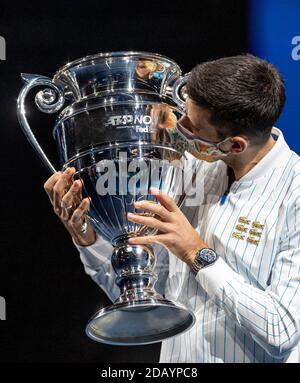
[204, 257]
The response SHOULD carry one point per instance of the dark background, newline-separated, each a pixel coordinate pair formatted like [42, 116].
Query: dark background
[49, 297]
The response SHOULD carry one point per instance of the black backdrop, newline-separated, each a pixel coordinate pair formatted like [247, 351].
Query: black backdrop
[49, 297]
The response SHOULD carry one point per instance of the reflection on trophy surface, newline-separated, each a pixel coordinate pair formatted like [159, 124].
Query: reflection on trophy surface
[146, 69]
[118, 130]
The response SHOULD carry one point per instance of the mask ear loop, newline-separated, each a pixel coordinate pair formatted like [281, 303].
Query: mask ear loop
[216, 147]
[220, 143]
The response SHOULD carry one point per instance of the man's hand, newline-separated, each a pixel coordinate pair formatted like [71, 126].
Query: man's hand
[174, 230]
[66, 198]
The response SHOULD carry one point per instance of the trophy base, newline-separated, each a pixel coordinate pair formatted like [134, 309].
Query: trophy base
[142, 321]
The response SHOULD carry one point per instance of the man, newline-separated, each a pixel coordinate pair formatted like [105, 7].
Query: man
[235, 259]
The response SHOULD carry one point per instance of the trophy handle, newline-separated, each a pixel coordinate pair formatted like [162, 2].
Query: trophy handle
[178, 92]
[49, 100]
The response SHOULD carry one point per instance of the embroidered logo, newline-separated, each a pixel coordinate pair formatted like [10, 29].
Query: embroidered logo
[244, 220]
[258, 225]
[238, 235]
[242, 228]
[253, 241]
[255, 231]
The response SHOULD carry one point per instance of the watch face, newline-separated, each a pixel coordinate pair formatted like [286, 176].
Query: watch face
[208, 255]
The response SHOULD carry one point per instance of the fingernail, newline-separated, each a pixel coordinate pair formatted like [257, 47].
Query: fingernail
[154, 190]
[138, 204]
[129, 215]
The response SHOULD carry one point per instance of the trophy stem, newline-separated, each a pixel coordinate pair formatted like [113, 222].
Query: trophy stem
[135, 276]
[140, 315]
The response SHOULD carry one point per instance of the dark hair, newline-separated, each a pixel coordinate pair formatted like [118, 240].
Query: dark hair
[244, 94]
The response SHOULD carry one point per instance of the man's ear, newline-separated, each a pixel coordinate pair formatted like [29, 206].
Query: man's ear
[238, 144]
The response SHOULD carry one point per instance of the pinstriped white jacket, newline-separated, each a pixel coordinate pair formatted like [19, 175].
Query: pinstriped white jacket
[247, 304]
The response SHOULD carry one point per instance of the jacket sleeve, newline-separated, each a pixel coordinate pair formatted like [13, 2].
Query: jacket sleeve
[96, 260]
[270, 316]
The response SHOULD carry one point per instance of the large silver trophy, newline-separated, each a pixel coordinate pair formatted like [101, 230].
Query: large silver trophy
[121, 110]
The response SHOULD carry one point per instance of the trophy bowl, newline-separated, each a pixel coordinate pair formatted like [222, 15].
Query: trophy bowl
[117, 128]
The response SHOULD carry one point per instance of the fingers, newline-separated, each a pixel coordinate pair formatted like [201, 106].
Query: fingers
[49, 184]
[78, 216]
[148, 221]
[145, 240]
[154, 208]
[164, 199]
[59, 189]
[71, 199]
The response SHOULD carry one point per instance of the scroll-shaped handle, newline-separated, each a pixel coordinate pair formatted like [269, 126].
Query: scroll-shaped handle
[179, 94]
[49, 100]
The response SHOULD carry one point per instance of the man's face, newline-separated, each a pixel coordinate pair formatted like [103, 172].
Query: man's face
[196, 120]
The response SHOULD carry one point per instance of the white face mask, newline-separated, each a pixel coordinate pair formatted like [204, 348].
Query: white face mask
[203, 147]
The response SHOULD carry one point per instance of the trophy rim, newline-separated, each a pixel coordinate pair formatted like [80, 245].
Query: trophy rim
[103, 55]
[156, 302]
